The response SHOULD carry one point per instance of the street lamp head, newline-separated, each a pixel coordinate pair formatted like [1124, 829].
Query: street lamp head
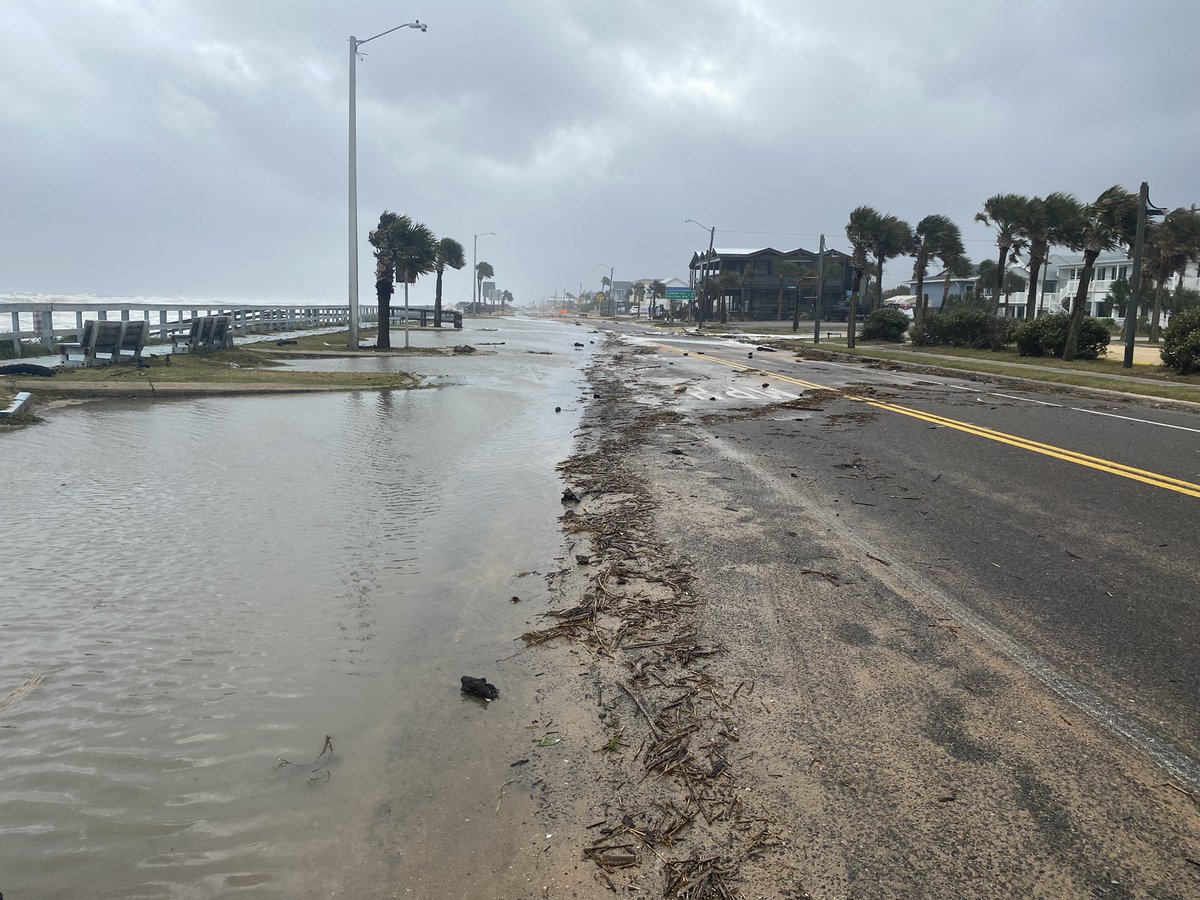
[417, 23]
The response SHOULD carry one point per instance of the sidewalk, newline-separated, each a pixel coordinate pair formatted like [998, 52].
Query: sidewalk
[1057, 370]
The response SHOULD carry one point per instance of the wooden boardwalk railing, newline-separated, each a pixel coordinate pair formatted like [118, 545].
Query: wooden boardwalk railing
[36, 321]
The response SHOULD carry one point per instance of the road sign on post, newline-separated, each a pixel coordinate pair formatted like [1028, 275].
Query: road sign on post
[677, 293]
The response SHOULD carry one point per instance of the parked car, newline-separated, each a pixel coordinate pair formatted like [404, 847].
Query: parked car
[840, 312]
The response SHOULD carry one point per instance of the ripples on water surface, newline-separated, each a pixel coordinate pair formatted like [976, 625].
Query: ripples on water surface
[196, 591]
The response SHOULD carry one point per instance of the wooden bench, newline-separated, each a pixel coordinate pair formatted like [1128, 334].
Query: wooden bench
[106, 339]
[133, 340]
[205, 333]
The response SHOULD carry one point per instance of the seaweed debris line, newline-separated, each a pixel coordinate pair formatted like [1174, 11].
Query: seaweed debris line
[677, 811]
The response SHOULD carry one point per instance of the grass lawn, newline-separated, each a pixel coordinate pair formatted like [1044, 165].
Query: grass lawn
[239, 366]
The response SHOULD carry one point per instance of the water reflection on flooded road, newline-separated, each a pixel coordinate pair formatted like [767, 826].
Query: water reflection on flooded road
[197, 593]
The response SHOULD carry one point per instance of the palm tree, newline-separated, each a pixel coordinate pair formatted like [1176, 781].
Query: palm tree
[404, 250]
[728, 282]
[505, 297]
[860, 230]
[787, 270]
[935, 236]
[957, 266]
[1004, 213]
[1106, 224]
[385, 268]
[985, 280]
[1043, 225]
[658, 291]
[747, 289]
[449, 253]
[892, 237]
[1170, 246]
[414, 248]
[1013, 284]
[482, 270]
[639, 295]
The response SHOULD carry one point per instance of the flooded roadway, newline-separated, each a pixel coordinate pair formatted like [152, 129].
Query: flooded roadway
[196, 593]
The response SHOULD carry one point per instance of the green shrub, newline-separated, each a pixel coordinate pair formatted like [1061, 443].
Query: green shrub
[1047, 336]
[1181, 342]
[965, 326]
[1111, 324]
[887, 324]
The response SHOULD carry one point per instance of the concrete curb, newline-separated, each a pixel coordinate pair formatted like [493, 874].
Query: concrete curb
[187, 388]
[20, 403]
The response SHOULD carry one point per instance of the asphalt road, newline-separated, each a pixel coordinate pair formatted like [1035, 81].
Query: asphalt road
[1059, 527]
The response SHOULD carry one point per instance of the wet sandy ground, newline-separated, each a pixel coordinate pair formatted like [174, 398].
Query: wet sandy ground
[874, 745]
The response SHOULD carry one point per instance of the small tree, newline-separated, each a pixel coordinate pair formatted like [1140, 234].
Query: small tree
[935, 236]
[658, 291]
[1120, 293]
[890, 238]
[449, 253]
[957, 266]
[1181, 343]
[1107, 223]
[482, 270]
[1004, 213]
[404, 250]
[729, 281]
[864, 222]
[1170, 246]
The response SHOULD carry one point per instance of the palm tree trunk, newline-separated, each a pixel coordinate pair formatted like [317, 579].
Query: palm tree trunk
[1085, 278]
[1000, 279]
[1154, 318]
[383, 339]
[877, 297]
[920, 292]
[437, 300]
[945, 292]
[1035, 267]
[858, 275]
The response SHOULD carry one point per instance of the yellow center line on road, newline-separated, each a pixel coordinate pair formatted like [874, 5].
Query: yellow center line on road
[1154, 479]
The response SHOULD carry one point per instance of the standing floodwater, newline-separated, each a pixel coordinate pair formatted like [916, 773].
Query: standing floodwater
[197, 593]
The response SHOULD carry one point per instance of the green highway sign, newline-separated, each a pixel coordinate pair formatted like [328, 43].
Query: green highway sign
[675, 293]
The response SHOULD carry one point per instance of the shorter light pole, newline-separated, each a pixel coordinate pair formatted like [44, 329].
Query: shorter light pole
[475, 268]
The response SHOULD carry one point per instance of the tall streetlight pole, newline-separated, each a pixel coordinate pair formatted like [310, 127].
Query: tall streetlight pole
[475, 267]
[707, 262]
[355, 43]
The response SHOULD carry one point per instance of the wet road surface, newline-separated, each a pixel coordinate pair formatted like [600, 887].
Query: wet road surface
[1063, 522]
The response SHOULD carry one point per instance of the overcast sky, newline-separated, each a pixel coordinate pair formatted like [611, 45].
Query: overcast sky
[198, 148]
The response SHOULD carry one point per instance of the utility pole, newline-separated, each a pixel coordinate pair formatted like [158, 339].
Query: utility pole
[820, 292]
[1131, 311]
[707, 279]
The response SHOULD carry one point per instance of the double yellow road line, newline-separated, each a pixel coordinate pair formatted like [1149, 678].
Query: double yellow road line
[1187, 488]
